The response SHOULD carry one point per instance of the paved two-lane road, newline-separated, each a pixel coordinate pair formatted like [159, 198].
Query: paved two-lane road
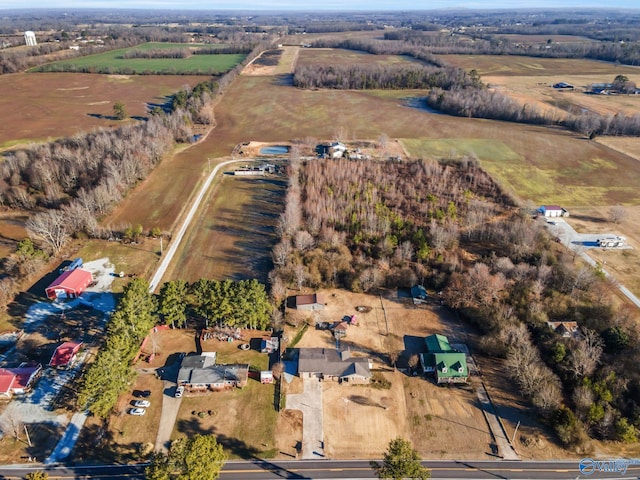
[348, 469]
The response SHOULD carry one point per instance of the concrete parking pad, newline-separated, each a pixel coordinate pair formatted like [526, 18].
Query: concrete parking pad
[309, 402]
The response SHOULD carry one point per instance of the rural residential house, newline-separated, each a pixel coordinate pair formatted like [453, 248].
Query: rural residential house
[200, 373]
[308, 302]
[565, 329]
[331, 364]
[70, 284]
[18, 381]
[443, 361]
[65, 354]
[553, 211]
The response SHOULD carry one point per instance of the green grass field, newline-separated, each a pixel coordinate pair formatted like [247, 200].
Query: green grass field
[113, 62]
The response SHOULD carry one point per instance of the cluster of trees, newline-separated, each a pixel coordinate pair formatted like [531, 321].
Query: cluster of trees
[584, 385]
[12, 61]
[110, 374]
[199, 457]
[186, 52]
[364, 224]
[367, 76]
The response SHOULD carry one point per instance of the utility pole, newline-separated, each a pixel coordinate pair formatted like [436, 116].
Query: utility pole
[160, 245]
[28, 437]
[514, 433]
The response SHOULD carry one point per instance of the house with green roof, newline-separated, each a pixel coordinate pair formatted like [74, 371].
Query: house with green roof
[443, 361]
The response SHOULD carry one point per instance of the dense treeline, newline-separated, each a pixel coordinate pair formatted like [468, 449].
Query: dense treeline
[366, 76]
[186, 52]
[447, 225]
[111, 374]
[494, 44]
[483, 103]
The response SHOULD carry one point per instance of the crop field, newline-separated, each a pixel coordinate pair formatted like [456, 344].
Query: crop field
[235, 231]
[42, 106]
[502, 65]
[260, 108]
[114, 61]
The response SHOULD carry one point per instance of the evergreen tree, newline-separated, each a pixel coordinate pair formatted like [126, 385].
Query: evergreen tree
[173, 302]
[199, 457]
[400, 461]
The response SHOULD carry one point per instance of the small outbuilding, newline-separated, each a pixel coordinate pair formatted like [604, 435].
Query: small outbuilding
[553, 211]
[419, 294]
[65, 354]
[269, 345]
[308, 302]
[266, 376]
[70, 284]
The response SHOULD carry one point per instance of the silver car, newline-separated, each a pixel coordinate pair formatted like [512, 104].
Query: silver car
[138, 412]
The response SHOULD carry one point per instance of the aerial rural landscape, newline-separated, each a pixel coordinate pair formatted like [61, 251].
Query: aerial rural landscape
[253, 245]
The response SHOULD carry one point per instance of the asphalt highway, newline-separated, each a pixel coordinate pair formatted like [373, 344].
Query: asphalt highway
[359, 469]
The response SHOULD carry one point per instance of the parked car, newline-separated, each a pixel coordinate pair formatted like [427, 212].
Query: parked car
[142, 393]
[138, 412]
[142, 403]
[179, 391]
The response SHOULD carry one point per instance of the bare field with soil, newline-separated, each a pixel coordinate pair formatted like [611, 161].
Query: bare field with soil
[234, 231]
[39, 106]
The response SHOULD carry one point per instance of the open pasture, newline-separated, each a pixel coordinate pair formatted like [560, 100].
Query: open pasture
[539, 91]
[338, 56]
[234, 232]
[51, 105]
[114, 61]
[571, 173]
[502, 65]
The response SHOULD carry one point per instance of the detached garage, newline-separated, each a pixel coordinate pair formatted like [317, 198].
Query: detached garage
[70, 284]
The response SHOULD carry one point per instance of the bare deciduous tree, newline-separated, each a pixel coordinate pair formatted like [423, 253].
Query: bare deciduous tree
[50, 227]
[617, 214]
[585, 354]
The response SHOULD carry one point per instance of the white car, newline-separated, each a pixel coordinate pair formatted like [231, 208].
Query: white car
[138, 412]
[179, 391]
[142, 403]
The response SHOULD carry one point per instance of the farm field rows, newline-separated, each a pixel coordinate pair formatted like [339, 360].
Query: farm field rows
[114, 61]
[41, 106]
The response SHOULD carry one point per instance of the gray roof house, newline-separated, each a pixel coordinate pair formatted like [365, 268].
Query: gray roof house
[200, 373]
[331, 364]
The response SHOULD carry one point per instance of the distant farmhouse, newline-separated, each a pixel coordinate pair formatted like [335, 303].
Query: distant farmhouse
[565, 329]
[444, 362]
[553, 211]
[331, 364]
[200, 373]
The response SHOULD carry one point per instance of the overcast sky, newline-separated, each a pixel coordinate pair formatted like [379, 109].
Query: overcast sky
[318, 4]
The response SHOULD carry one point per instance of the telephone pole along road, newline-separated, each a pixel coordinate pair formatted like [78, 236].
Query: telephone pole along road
[177, 238]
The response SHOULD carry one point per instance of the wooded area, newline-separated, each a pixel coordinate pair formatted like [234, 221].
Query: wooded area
[447, 225]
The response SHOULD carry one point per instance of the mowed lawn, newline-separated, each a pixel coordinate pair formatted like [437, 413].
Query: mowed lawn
[234, 232]
[115, 60]
[40, 106]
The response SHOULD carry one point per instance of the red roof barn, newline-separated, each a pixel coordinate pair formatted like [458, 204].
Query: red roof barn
[65, 354]
[71, 283]
[17, 380]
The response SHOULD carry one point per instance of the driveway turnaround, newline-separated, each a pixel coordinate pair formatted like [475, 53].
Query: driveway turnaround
[309, 402]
